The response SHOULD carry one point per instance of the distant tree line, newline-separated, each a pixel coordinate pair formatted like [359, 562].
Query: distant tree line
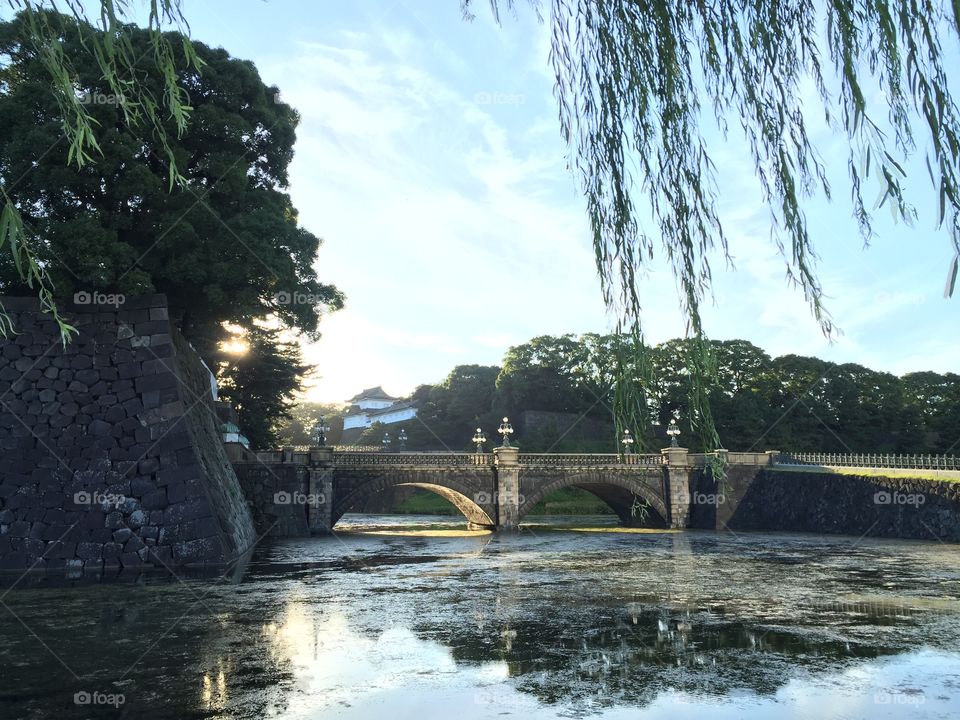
[791, 402]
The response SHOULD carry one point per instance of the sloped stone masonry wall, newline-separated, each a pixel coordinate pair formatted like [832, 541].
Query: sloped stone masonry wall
[858, 505]
[109, 451]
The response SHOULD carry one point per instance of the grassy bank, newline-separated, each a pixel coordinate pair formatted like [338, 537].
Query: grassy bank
[911, 474]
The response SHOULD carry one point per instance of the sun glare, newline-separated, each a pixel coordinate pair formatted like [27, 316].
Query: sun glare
[236, 346]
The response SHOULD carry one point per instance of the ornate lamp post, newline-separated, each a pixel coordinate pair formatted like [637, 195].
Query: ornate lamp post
[673, 431]
[320, 431]
[402, 437]
[505, 429]
[627, 443]
[479, 439]
[386, 441]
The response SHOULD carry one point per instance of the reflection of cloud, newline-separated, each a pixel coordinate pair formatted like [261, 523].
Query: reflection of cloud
[337, 666]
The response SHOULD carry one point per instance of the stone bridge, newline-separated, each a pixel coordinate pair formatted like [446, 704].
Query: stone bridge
[302, 492]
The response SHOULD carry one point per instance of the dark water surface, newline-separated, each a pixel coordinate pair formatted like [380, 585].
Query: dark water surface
[414, 617]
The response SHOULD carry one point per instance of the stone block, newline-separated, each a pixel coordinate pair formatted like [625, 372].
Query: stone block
[133, 544]
[100, 535]
[89, 550]
[141, 486]
[115, 414]
[133, 406]
[86, 377]
[122, 535]
[131, 560]
[156, 500]
[197, 551]
[100, 427]
[177, 492]
[137, 519]
[111, 550]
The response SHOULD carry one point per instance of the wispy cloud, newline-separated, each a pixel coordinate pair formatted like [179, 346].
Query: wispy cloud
[429, 159]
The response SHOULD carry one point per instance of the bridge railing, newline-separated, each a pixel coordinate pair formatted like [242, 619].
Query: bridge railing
[438, 459]
[906, 462]
[587, 460]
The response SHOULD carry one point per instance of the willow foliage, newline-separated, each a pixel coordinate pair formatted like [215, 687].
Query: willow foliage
[109, 43]
[636, 78]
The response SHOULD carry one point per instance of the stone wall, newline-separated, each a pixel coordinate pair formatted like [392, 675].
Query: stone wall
[111, 451]
[820, 502]
[277, 497]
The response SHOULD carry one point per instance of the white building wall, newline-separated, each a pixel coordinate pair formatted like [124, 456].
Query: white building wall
[395, 417]
[355, 421]
[362, 420]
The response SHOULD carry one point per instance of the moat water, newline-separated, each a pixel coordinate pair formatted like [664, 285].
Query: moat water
[414, 617]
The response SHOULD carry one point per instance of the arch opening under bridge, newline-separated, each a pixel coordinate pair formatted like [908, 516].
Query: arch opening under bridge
[474, 497]
[637, 501]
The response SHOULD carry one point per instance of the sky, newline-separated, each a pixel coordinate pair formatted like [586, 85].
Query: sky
[430, 162]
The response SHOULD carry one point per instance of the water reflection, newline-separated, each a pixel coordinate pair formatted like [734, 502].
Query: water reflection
[386, 621]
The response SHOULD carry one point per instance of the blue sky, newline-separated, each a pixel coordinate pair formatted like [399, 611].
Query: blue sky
[429, 160]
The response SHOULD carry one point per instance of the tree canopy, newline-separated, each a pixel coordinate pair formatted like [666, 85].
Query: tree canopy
[260, 383]
[223, 243]
[559, 394]
[108, 45]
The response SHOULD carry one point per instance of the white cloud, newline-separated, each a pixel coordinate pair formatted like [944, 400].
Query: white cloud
[456, 230]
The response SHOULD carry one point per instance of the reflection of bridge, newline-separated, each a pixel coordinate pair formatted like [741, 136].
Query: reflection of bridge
[310, 491]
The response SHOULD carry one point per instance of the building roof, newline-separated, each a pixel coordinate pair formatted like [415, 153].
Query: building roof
[393, 408]
[374, 393]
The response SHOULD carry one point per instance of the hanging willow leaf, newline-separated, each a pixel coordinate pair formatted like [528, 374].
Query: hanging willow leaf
[631, 79]
[952, 277]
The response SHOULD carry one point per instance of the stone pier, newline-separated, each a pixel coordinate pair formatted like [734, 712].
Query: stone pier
[508, 487]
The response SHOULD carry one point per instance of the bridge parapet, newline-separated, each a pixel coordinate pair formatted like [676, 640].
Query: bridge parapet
[593, 460]
[873, 460]
[414, 459]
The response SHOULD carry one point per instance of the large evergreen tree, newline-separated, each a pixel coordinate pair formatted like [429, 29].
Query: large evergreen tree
[223, 242]
[260, 383]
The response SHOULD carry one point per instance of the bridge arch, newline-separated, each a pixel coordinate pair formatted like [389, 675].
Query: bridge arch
[471, 494]
[619, 490]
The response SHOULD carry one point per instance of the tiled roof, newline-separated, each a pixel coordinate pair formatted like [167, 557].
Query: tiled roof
[374, 393]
